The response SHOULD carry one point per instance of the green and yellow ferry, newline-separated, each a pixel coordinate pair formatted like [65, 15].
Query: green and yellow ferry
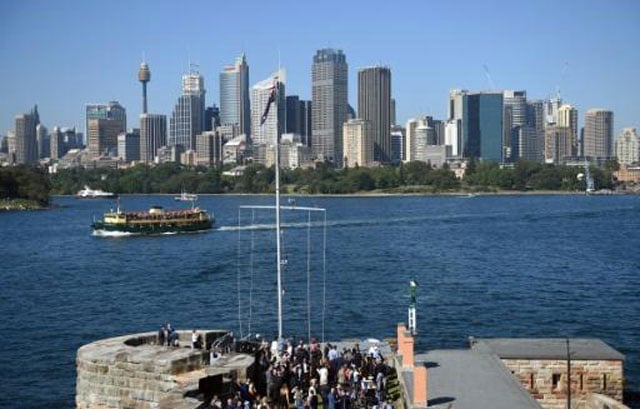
[155, 221]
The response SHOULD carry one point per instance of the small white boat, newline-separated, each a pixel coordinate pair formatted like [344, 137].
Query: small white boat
[186, 197]
[88, 193]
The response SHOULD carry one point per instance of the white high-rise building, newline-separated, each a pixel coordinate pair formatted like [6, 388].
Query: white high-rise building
[453, 136]
[187, 119]
[274, 124]
[628, 147]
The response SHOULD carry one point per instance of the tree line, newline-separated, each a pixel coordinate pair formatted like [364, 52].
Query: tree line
[410, 177]
[24, 183]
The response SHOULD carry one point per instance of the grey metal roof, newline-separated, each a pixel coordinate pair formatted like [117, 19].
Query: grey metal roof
[550, 348]
[473, 379]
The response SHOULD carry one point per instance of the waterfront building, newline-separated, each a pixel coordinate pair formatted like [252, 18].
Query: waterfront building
[228, 132]
[598, 134]
[425, 136]
[515, 117]
[188, 158]
[397, 144]
[209, 148]
[392, 117]
[628, 147]
[235, 106]
[330, 106]
[293, 153]
[305, 122]
[358, 145]
[4, 144]
[111, 110]
[102, 137]
[274, 123]
[482, 125]
[25, 141]
[453, 136]
[153, 135]
[235, 150]
[42, 141]
[62, 140]
[129, 145]
[374, 105]
[551, 107]
[568, 118]
[558, 144]
[293, 115]
[187, 119]
[211, 118]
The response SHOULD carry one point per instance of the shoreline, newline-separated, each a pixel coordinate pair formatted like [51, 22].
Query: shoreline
[21, 205]
[386, 194]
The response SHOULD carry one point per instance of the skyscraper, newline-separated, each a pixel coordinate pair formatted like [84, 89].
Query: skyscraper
[235, 107]
[515, 117]
[329, 107]
[111, 110]
[274, 123]
[187, 119]
[305, 125]
[598, 134]
[153, 135]
[374, 105]
[25, 139]
[42, 141]
[482, 125]
[293, 114]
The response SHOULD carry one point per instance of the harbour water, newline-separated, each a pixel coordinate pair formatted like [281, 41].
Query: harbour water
[487, 266]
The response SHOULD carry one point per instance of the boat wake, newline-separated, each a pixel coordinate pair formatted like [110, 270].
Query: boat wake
[104, 233]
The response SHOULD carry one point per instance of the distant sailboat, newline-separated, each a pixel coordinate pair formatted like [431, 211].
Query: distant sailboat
[590, 185]
[186, 197]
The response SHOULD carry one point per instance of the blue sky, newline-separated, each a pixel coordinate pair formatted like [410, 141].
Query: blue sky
[63, 54]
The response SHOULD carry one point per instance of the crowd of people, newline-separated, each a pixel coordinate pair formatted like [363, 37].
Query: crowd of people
[307, 375]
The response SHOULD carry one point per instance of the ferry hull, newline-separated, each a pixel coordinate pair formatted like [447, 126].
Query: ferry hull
[154, 228]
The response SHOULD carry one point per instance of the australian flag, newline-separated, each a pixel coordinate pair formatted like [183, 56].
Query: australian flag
[272, 99]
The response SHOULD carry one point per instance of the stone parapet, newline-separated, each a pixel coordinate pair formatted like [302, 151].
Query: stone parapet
[134, 372]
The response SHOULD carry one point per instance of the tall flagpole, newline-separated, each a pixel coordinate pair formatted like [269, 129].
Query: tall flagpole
[278, 234]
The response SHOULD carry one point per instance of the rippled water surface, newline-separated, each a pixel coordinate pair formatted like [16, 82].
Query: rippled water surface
[517, 266]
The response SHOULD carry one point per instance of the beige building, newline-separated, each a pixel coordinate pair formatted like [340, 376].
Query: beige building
[568, 118]
[558, 144]
[209, 148]
[357, 142]
[102, 136]
[598, 134]
[628, 147]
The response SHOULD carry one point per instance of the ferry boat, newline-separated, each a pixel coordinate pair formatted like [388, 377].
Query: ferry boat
[155, 221]
[88, 193]
[186, 197]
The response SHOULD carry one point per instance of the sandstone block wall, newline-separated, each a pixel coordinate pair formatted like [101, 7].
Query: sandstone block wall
[131, 372]
[546, 380]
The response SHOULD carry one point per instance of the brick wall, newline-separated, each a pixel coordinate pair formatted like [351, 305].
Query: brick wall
[546, 380]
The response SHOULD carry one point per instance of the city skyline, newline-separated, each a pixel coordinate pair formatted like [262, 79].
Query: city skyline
[467, 46]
